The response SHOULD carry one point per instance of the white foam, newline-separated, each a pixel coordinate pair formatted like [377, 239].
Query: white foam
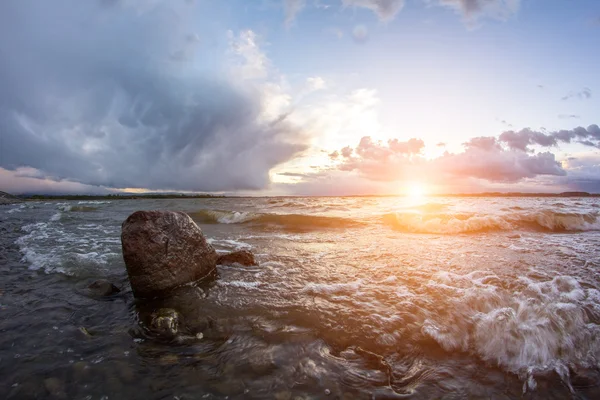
[17, 209]
[52, 248]
[229, 243]
[64, 206]
[235, 217]
[541, 328]
[332, 288]
[240, 284]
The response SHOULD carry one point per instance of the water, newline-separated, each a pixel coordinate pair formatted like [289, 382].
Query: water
[354, 298]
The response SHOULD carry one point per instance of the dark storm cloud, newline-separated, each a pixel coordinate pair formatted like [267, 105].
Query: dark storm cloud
[90, 93]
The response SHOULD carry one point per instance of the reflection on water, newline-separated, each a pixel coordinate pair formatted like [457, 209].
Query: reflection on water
[353, 298]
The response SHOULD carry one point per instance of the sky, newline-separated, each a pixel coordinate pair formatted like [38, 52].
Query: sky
[299, 97]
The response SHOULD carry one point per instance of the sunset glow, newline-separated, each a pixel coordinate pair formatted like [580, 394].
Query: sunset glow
[391, 93]
[300, 199]
[416, 190]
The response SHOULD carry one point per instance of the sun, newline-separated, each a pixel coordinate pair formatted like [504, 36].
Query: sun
[416, 190]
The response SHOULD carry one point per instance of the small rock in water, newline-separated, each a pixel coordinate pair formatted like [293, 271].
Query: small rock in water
[102, 288]
[81, 370]
[165, 322]
[55, 387]
[242, 257]
[85, 331]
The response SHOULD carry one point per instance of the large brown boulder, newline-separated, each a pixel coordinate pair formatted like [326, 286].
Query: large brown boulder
[163, 250]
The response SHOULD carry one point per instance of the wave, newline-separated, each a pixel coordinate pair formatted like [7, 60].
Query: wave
[290, 221]
[53, 248]
[545, 220]
[83, 209]
[66, 207]
[545, 326]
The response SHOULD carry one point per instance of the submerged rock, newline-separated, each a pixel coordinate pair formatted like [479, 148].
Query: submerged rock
[102, 288]
[163, 250]
[243, 257]
[165, 322]
[55, 387]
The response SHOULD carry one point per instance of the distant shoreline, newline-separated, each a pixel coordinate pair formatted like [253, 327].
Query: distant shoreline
[37, 197]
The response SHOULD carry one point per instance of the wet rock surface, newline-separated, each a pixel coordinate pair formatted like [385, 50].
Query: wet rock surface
[163, 250]
[242, 257]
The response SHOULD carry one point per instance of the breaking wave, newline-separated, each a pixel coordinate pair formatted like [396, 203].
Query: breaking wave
[290, 221]
[545, 220]
[54, 248]
[418, 222]
[546, 326]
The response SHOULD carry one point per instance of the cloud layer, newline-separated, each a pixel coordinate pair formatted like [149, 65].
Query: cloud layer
[507, 158]
[100, 93]
[387, 10]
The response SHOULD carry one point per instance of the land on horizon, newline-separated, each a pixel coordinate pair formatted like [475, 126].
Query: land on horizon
[6, 198]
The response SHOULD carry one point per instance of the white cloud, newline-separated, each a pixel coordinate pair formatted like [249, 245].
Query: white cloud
[291, 9]
[473, 9]
[386, 10]
[315, 83]
[251, 61]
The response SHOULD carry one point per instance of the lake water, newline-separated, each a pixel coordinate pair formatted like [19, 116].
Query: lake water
[354, 298]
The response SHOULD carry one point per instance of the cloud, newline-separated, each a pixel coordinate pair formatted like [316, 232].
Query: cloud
[496, 164]
[386, 10]
[568, 116]
[360, 34]
[520, 140]
[29, 180]
[503, 159]
[91, 95]
[381, 161]
[291, 8]
[315, 83]
[473, 9]
[250, 61]
[583, 94]
[583, 173]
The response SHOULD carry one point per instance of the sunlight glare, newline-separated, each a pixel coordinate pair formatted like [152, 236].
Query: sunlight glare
[416, 190]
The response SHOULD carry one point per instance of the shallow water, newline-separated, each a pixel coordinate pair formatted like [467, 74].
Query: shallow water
[354, 298]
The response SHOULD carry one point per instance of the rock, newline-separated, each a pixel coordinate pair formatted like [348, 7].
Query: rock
[243, 257]
[165, 322]
[85, 332]
[163, 250]
[55, 387]
[102, 288]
